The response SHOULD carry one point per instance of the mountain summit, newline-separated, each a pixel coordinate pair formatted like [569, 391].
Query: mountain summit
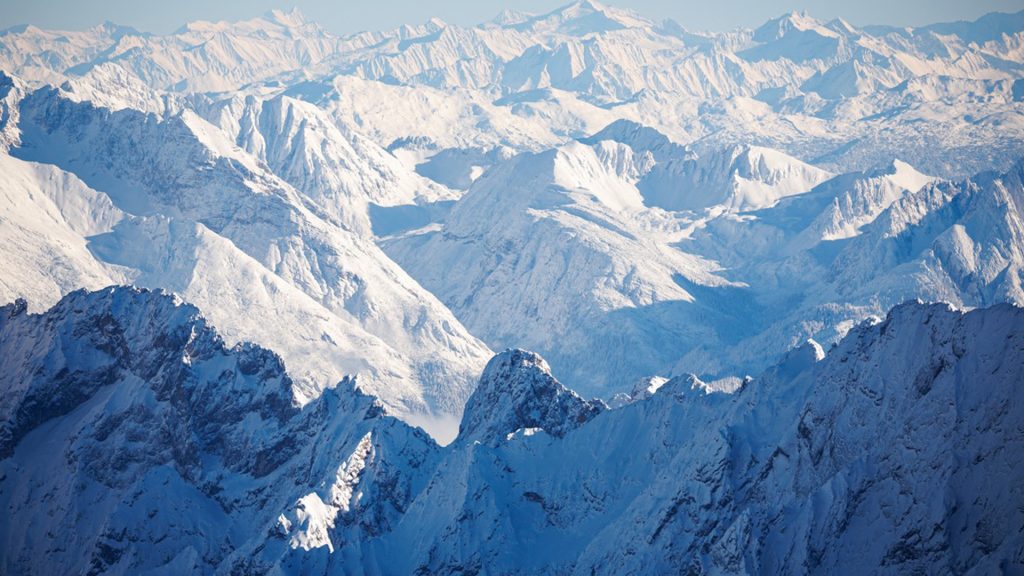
[517, 392]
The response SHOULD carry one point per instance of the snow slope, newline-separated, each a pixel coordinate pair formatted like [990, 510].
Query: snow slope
[212, 222]
[807, 261]
[340, 171]
[737, 179]
[42, 202]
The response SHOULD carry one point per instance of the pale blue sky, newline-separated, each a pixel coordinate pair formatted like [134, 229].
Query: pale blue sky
[345, 16]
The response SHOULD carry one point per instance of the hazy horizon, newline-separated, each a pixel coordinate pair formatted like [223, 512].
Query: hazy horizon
[351, 17]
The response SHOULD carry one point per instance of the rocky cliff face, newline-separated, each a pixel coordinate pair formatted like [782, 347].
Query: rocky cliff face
[518, 393]
[134, 441]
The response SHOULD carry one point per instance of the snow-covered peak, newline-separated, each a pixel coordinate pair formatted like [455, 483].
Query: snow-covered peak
[738, 178]
[212, 214]
[646, 387]
[290, 18]
[641, 139]
[274, 21]
[600, 177]
[904, 175]
[605, 171]
[129, 409]
[128, 399]
[518, 391]
[92, 339]
[839, 207]
[582, 18]
[798, 37]
[337, 169]
[695, 478]
[774, 167]
[11, 92]
[777, 28]
[798, 360]
[435, 24]
[510, 17]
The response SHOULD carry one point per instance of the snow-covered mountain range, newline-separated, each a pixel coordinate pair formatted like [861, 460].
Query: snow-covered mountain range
[665, 216]
[608, 287]
[635, 198]
[134, 432]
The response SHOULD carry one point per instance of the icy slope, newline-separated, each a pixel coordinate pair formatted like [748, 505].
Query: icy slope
[46, 216]
[166, 451]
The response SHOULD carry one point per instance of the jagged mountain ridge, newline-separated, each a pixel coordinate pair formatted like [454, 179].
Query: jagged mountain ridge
[176, 446]
[786, 474]
[571, 43]
[945, 241]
